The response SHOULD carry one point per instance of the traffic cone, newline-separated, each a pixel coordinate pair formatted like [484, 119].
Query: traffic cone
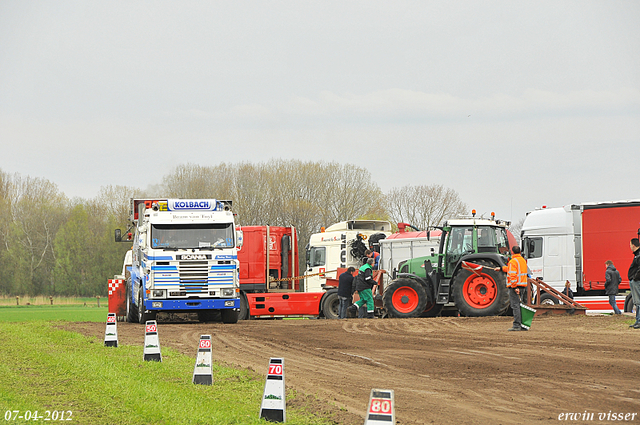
[151, 342]
[202, 373]
[273, 406]
[381, 410]
[111, 331]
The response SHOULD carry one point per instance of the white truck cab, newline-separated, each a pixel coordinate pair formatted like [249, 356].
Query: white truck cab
[335, 247]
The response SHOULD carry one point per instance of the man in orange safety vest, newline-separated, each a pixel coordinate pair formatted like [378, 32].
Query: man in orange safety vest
[516, 282]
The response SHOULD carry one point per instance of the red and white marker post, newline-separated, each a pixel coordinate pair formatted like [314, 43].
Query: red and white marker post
[151, 342]
[273, 406]
[381, 409]
[202, 372]
[111, 331]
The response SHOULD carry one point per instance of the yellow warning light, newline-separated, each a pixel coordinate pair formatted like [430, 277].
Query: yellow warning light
[322, 229]
[473, 213]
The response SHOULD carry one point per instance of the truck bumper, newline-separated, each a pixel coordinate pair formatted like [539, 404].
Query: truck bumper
[192, 304]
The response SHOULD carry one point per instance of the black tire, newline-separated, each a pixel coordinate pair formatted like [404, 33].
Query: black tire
[628, 304]
[405, 298]
[132, 310]
[548, 299]
[331, 305]
[229, 315]
[479, 296]
[208, 316]
[432, 310]
[243, 314]
[142, 315]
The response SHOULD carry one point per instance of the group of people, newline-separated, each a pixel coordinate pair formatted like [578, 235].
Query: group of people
[362, 283]
[517, 278]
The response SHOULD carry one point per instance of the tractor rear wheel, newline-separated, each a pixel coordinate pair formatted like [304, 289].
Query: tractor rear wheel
[405, 298]
[482, 294]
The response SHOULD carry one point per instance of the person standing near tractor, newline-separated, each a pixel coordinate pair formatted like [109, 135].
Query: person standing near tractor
[345, 291]
[634, 279]
[612, 280]
[516, 282]
[364, 284]
[376, 258]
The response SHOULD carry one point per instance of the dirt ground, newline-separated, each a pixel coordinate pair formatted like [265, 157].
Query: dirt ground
[446, 370]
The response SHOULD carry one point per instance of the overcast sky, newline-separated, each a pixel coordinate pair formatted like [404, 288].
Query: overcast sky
[512, 104]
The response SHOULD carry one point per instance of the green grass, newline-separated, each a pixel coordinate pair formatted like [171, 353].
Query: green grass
[45, 300]
[73, 313]
[44, 368]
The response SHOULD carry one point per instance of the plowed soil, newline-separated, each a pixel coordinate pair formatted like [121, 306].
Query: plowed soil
[447, 370]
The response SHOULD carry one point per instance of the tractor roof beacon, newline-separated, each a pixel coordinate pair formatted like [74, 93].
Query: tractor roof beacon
[422, 286]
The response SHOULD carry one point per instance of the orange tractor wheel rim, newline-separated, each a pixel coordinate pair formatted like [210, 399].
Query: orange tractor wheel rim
[405, 299]
[479, 291]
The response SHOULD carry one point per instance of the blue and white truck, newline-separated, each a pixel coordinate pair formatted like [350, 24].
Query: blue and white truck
[184, 259]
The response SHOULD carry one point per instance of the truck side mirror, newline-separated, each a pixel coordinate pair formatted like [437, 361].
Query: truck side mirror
[118, 235]
[239, 238]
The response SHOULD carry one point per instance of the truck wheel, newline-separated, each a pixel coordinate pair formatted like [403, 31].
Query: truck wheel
[229, 315]
[142, 316]
[548, 299]
[243, 314]
[405, 298]
[132, 311]
[628, 304]
[480, 295]
[331, 305]
[208, 316]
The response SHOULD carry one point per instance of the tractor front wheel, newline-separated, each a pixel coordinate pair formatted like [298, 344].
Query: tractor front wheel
[481, 294]
[405, 298]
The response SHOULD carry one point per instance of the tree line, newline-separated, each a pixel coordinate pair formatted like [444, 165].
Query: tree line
[53, 245]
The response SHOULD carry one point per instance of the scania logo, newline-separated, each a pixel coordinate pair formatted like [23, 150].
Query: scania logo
[194, 257]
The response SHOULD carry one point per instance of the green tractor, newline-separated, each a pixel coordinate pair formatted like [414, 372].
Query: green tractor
[423, 286]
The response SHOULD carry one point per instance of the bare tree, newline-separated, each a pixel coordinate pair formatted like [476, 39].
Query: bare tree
[424, 206]
[516, 228]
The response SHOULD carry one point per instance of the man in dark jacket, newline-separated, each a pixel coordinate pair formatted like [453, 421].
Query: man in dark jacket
[634, 279]
[345, 291]
[612, 280]
[364, 284]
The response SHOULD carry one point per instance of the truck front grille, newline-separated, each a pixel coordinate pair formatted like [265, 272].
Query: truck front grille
[193, 273]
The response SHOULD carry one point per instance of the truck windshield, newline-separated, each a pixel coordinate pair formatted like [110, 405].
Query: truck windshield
[192, 236]
[316, 256]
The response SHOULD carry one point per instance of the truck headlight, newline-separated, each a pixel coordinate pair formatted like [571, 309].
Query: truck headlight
[228, 292]
[228, 303]
[156, 304]
[158, 293]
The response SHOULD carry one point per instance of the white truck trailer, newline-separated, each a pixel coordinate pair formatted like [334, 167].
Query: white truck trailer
[572, 243]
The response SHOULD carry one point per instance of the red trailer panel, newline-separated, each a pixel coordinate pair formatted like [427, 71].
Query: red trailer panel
[281, 247]
[606, 232]
[285, 303]
[117, 297]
